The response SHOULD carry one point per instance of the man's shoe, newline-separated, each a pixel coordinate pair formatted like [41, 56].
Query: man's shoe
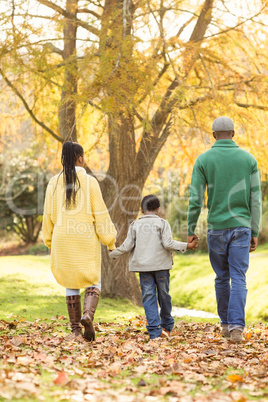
[237, 336]
[225, 331]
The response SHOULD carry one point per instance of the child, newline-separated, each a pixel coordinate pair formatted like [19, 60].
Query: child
[150, 242]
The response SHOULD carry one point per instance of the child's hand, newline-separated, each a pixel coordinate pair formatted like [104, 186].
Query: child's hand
[193, 244]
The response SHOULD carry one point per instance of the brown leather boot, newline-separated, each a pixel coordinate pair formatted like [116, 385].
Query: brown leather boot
[74, 310]
[90, 304]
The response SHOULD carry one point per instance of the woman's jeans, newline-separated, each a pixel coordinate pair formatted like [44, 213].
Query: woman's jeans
[229, 257]
[76, 292]
[155, 285]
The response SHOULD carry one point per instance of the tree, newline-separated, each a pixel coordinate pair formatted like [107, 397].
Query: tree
[146, 67]
[21, 197]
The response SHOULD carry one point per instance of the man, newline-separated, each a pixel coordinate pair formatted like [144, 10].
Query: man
[231, 177]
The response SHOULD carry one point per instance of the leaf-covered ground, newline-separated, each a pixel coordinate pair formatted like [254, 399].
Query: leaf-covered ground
[39, 361]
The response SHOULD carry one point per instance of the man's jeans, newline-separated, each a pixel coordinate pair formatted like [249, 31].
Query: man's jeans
[155, 284]
[229, 257]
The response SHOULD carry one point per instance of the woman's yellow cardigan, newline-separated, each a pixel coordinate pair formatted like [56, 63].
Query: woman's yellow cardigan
[74, 235]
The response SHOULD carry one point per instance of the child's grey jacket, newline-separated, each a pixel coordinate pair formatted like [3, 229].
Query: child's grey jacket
[150, 242]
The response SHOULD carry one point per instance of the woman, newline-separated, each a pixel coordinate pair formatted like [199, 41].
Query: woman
[75, 221]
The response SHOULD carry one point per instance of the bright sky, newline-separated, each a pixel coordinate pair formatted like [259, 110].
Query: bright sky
[226, 14]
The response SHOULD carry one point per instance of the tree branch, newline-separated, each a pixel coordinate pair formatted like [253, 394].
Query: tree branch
[87, 11]
[29, 110]
[70, 16]
[238, 25]
[182, 28]
[53, 49]
[247, 105]
[160, 74]
[46, 17]
[94, 105]
[150, 137]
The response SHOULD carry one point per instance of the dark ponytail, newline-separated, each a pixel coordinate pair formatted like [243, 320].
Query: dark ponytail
[71, 151]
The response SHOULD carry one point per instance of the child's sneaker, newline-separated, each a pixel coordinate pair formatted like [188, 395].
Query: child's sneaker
[165, 334]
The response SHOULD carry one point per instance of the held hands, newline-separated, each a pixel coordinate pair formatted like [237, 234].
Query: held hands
[192, 242]
[253, 244]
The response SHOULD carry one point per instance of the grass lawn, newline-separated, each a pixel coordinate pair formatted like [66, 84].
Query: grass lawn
[29, 290]
[39, 362]
[192, 284]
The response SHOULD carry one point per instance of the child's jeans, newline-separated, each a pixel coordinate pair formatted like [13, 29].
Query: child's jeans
[155, 285]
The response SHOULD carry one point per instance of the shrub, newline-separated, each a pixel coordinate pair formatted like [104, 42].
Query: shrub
[22, 197]
[38, 249]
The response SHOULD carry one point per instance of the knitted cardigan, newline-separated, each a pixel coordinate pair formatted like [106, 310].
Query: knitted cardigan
[74, 235]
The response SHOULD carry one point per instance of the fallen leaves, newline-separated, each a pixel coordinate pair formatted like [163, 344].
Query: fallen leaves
[40, 361]
[235, 378]
[61, 379]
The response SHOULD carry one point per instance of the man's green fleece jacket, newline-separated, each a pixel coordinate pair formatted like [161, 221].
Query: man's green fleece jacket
[232, 179]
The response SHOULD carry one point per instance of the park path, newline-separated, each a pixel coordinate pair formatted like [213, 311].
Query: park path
[182, 312]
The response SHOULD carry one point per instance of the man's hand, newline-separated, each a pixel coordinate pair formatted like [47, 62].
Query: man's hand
[253, 244]
[193, 244]
[191, 238]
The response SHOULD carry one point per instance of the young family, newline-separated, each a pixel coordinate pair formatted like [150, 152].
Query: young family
[76, 222]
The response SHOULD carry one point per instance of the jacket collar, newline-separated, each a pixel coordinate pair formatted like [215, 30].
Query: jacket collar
[225, 143]
[78, 168]
[148, 216]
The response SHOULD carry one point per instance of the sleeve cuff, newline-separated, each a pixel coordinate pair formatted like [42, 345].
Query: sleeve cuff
[112, 255]
[183, 248]
[111, 246]
[190, 233]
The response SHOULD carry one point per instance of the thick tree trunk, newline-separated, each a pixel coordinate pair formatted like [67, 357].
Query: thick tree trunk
[122, 188]
[116, 278]
[67, 110]
[122, 191]
[129, 167]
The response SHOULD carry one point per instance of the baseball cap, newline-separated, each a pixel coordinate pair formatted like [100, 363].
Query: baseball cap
[223, 123]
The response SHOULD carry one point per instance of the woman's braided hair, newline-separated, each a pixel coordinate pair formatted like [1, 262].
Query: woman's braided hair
[71, 151]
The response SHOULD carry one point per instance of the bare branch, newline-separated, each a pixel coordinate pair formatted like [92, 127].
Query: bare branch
[69, 61]
[87, 11]
[205, 67]
[93, 105]
[53, 49]
[46, 17]
[202, 23]
[70, 16]
[238, 25]
[185, 25]
[247, 105]
[139, 117]
[29, 110]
